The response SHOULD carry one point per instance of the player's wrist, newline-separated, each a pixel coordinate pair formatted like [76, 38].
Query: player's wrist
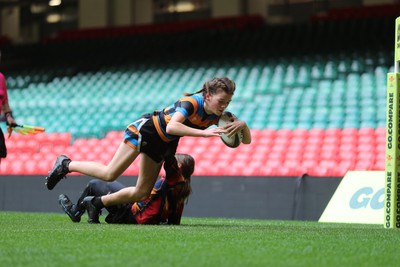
[9, 114]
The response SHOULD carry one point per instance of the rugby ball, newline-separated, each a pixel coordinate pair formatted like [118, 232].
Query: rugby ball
[234, 140]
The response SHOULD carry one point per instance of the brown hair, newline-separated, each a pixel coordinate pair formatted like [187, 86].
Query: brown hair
[186, 163]
[214, 84]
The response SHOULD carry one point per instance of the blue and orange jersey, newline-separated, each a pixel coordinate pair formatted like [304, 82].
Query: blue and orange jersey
[192, 108]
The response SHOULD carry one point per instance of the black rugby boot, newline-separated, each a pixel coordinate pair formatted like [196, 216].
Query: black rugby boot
[59, 171]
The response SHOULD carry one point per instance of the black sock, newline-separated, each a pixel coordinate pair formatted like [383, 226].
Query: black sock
[97, 203]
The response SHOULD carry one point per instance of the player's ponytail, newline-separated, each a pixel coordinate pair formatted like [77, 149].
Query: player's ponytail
[190, 94]
[212, 86]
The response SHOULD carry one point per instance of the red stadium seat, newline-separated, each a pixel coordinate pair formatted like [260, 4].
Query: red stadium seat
[329, 152]
[332, 140]
[267, 170]
[339, 171]
[284, 132]
[53, 139]
[365, 140]
[380, 163]
[349, 143]
[22, 145]
[274, 162]
[277, 153]
[269, 133]
[293, 163]
[380, 131]
[299, 133]
[350, 132]
[366, 148]
[312, 148]
[380, 140]
[259, 151]
[320, 171]
[298, 141]
[366, 132]
[380, 150]
[115, 135]
[265, 141]
[328, 163]
[365, 164]
[5, 166]
[294, 155]
[255, 134]
[276, 156]
[333, 132]
[316, 133]
[315, 140]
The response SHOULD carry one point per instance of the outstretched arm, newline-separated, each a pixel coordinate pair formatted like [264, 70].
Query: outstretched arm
[176, 127]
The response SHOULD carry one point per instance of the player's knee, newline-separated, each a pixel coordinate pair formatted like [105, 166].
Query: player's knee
[93, 183]
[110, 177]
[141, 194]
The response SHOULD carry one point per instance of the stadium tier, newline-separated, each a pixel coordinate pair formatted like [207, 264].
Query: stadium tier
[321, 114]
[305, 118]
[269, 95]
[284, 152]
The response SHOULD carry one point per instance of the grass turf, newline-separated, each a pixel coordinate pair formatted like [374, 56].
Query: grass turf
[44, 239]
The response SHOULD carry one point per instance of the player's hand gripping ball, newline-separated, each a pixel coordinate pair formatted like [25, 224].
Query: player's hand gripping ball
[234, 140]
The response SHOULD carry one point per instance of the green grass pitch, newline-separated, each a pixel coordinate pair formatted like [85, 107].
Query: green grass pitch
[51, 239]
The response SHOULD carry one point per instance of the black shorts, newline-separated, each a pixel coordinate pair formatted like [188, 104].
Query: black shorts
[118, 214]
[3, 149]
[142, 135]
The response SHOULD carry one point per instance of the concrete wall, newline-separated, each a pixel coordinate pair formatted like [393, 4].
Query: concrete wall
[93, 13]
[9, 22]
[280, 198]
[223, 8]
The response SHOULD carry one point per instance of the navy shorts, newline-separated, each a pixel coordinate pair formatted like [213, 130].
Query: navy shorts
[142, 135]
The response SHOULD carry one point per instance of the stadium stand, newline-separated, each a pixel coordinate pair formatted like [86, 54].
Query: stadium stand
[313, 94]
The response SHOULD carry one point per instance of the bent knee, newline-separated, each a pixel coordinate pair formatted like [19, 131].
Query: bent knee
[110, 177]
[142, 194]
[94, 183]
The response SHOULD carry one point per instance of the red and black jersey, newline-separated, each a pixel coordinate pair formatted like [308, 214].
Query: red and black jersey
[162, 205]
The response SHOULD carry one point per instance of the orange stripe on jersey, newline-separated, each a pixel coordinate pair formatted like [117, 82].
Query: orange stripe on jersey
[197, 120]
[133, 129]
[194, 119]
[130, 144]
[191, 100]
[167, 117]
[159, 131]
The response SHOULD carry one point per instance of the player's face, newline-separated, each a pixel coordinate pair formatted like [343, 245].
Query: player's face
[217, 103]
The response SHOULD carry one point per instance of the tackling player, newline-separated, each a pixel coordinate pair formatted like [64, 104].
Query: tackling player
[165, 204]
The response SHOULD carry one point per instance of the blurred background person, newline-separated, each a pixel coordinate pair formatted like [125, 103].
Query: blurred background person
[6, 114]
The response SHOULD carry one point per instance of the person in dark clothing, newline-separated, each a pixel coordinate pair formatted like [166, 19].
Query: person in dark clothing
[164, 205]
